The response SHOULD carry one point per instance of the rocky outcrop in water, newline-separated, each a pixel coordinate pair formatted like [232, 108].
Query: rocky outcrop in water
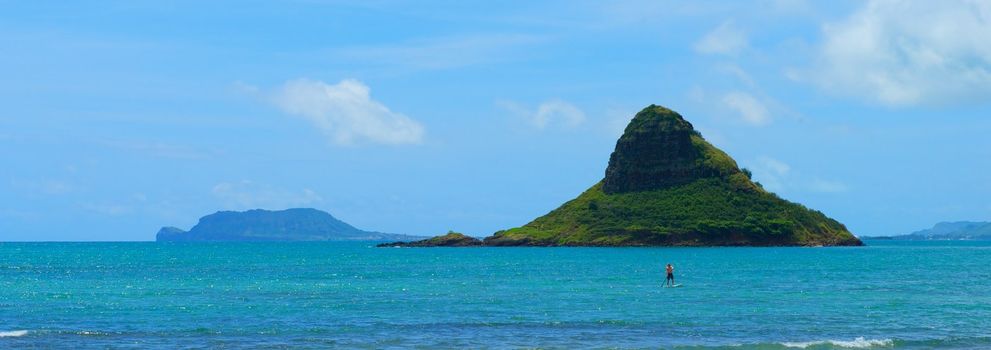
[660, 149]
[451, 239]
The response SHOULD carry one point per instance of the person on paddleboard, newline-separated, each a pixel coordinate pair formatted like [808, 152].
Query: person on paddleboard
[670, 271]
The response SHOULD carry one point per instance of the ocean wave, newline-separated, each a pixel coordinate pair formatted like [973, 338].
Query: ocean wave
[90, 333]
[858, 343]
[20, 333]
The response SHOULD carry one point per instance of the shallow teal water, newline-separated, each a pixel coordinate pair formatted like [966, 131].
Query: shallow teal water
[912, 295]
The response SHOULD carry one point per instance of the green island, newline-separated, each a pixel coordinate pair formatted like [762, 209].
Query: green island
[665, 185]
[451, 239]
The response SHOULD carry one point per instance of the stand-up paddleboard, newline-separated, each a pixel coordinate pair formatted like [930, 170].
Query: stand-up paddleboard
[672, 286]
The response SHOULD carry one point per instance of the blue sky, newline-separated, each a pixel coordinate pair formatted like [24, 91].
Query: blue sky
[120, 117]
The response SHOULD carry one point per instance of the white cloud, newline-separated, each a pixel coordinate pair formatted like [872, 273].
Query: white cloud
[110, 209]
[47, 187]
[245, 88]
[250, 195]
[749, 108]
[55, 187]
[908, 52]
[771, 173]
[443, 53]
[775, 166]
[20, 214]
[791, 7]
[159, 149]
[777, 176]
[696, 94]
[548, 113]
[715, 136]
[617, 120]
[740, 74]
[819, 185]
[726, 39]
[643, 12]
[557, 110]
[346, 113]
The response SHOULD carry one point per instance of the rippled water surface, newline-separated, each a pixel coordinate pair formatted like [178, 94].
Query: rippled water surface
[912, 295]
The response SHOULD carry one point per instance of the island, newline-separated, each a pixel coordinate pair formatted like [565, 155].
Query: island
[949, 231]
[451, 239]
[297, 224]
[665, 185]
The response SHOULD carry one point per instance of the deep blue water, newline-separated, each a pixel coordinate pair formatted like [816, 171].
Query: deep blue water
[911, 295]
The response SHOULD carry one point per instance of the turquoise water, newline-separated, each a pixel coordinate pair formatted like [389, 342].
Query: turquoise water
[911, 295]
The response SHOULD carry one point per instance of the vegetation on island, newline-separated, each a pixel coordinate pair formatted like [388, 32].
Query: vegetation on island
[451, 239]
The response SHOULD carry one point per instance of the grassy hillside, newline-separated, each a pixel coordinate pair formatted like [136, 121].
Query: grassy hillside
[712, 211]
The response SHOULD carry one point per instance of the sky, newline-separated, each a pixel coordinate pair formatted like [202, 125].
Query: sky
[419, 117]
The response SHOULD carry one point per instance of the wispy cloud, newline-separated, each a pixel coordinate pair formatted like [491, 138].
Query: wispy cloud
[247, 194]
[443, 53]
[749, 109]
[111, 209]
[159, 149]
[778, 176]
[791, 7]
[903, 53]
[775, 166]
[548, 113]
[771, 173]
[743, 98]
[640, 12]
[826, 186]
[55, 187]
[20, 214]
[726, 39]
[47, 187]
[617, 119]
[346, 112]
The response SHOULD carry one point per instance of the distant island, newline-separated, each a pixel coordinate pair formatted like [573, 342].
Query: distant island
[451, 239]
[665, 185]
[950, 231]
[298, 224]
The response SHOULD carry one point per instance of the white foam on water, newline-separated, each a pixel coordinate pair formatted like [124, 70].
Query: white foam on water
[858, 343]
[13, 333]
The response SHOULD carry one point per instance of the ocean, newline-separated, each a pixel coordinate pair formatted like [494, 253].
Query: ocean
[143, 295]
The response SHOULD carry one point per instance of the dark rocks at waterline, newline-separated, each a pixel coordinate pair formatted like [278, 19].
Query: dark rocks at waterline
[451, 239]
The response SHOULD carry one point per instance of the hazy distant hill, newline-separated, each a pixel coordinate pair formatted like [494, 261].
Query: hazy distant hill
[960, 230]
[299, 224]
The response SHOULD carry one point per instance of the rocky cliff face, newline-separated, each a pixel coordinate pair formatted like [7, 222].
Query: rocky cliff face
[660, 149]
